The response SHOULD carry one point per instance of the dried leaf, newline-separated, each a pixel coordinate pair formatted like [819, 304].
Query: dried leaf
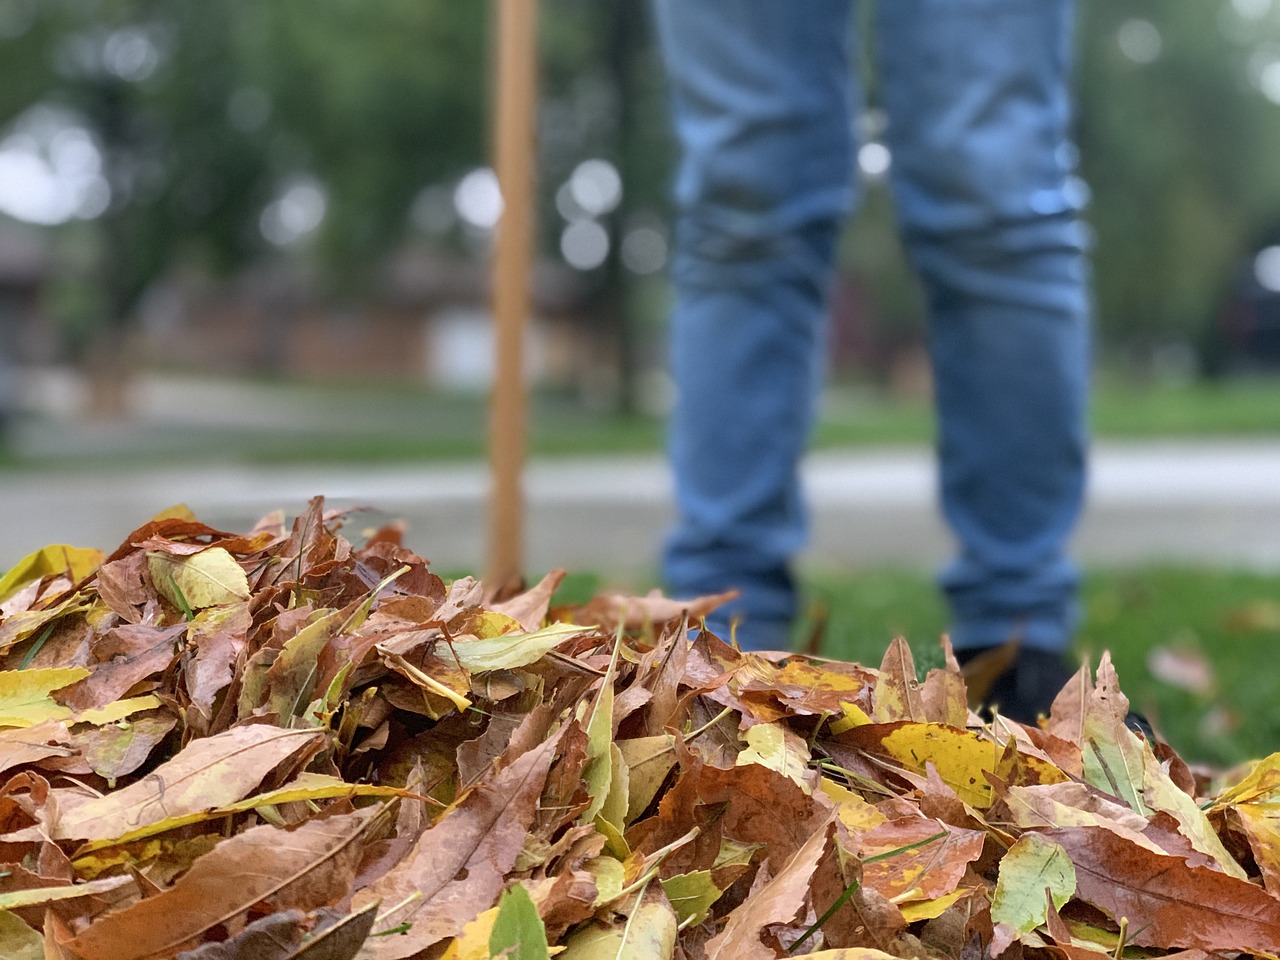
[307, 788]
[456, 868]
[649, 933]
[508, 651]
[312, 866]
[779, 901]
[774, 746]
[897, 694]
[340, 941]
[1168, 903]
[272, 937]
[692, 895]
[30, 744]
[206, 774]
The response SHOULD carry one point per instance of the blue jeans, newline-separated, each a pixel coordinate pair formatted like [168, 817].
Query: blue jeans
[976, 93]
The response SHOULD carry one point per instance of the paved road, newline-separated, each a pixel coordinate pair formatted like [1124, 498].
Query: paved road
[1177, 502]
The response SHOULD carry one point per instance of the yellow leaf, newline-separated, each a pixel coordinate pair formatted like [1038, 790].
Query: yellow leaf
[773, 746]
[1160, 793]
[76, 562]
[854, 716]
[931, 909]
[648, 934]
[473, 942]
[24, 695]
[179, 511]
[610, 876]
[209, 578]
[961, 757]
[116, 711]
[1260, 786]
[854, 812]
[16, 899]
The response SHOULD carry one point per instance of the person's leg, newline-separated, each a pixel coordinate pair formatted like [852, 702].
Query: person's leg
[761, 100]
[977, 93]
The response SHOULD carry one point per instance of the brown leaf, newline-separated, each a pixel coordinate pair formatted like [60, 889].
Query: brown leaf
[115, 749]
[125, 586]
[1168, 903]
[778, 901]
[272, 937]
[457, 867]
[217, 636]
[897, 695]
[207, 773]
[924, 873]
[123, 656]
[340, 940]
[302, 869]
[530, 607]
[944, 694]
[25, 745]
[609, 611]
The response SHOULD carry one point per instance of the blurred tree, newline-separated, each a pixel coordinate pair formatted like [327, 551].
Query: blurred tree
[1178, 114]
[225, 131]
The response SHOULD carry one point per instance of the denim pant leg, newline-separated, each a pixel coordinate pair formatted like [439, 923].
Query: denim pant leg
[977, 93]
[760, 100]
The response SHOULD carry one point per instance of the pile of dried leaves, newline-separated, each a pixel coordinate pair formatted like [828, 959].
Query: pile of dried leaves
[278, 745]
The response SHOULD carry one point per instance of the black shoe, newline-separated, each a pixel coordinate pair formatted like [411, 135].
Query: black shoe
[1021, 684]
[1017, 682]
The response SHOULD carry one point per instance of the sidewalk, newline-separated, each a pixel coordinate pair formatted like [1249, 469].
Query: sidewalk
[1183, 502]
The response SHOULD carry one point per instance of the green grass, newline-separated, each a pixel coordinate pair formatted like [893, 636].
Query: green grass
[1230, 619]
